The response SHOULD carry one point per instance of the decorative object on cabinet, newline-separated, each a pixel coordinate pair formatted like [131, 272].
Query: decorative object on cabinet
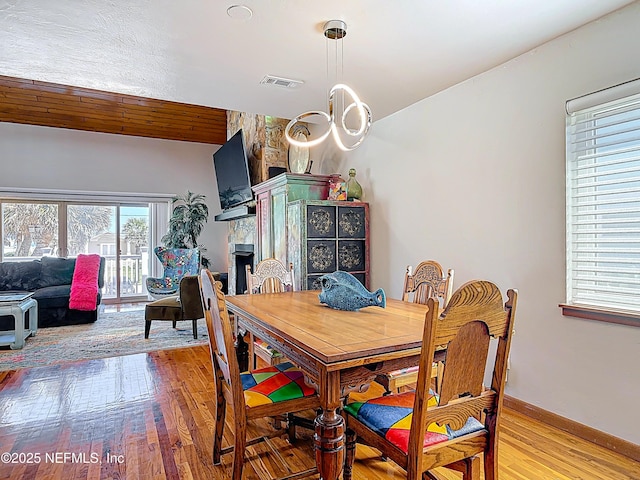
[298, 157]
[325, 236]
[272, 198]
[343, 291]
[337, 188]
[353, 188]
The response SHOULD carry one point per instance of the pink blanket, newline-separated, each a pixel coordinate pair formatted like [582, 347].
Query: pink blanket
[84, 285]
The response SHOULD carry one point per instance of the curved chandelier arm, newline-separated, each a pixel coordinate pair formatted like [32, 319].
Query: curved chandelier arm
[365, 121]
[364, 114]
[341, 145]
[363, 110]
[289, 129]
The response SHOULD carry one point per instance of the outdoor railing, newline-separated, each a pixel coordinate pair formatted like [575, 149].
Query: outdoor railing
[132, 279]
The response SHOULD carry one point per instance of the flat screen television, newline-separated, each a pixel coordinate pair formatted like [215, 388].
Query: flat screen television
[232, 172]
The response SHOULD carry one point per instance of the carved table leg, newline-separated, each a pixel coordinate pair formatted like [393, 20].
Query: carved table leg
[329, 444]
[350, 453]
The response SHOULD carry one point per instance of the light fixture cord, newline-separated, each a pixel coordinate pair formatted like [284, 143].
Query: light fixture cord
[342, 70]
[336, 59]
[328, 85]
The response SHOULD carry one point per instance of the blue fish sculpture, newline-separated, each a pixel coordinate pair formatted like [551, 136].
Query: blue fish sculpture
[343, 291]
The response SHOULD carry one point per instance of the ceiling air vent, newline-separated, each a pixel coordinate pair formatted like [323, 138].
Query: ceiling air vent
[281, 82]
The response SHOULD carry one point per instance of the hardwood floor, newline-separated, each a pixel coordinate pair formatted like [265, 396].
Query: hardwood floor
[149, 416]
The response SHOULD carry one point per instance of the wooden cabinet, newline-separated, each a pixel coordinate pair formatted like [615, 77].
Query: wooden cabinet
[325, 236]
[295, 224]
[272, 197]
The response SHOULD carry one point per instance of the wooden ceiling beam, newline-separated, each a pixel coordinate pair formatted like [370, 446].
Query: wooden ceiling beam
[53, 105]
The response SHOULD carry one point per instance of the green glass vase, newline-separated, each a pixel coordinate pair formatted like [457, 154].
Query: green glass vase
[354, 189]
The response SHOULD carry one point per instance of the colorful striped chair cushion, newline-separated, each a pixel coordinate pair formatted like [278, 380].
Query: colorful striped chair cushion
[403, 371]
[268, 348]
[274, 384]
[390, 417]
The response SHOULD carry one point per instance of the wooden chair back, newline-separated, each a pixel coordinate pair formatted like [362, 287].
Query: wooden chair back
[226, 370]
[229, 388]
[427, 280]
[474, 313]
[270, 276]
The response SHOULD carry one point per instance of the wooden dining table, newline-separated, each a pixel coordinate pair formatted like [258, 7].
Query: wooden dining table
[338, 351]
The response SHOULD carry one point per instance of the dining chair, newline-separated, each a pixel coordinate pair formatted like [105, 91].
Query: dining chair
[267, 392]
[421, 430]
[427, 280]
[270, 276]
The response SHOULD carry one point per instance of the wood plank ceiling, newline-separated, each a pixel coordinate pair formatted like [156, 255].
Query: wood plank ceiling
[53, 105]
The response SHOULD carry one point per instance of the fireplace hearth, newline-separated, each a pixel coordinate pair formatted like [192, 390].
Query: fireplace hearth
[242, 254]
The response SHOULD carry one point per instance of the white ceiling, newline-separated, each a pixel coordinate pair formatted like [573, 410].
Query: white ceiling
[395, 53]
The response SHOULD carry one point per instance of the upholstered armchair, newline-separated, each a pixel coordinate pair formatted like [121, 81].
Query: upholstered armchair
[177, 263]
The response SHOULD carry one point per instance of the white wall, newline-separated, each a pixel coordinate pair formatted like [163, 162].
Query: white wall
[474, 178]
[55, 158]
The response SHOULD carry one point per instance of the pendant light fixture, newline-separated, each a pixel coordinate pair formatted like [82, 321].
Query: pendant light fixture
[339, 111]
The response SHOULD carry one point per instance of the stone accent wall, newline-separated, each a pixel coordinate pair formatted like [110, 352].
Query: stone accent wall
[266, 147]
[265, 142]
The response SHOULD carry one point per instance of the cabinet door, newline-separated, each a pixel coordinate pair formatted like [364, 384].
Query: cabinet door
[351, 255]
[263, 205]
[321, 256]
[351, 222]
[321, 221]
[279, 225]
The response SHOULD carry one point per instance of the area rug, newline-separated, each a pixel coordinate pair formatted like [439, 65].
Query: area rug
[113, 334]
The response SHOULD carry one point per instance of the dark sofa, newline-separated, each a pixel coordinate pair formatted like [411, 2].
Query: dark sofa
[50, 280]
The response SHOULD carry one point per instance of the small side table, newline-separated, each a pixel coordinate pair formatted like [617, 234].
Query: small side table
[16, 305]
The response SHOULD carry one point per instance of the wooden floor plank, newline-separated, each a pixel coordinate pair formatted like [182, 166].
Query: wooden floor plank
[154, 411]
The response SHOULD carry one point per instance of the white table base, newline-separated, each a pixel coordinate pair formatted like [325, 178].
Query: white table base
[15, 338]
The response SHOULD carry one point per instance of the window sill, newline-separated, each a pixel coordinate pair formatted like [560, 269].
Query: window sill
[623, 317]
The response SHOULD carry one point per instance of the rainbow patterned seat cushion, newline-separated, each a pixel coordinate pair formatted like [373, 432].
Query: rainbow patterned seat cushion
[403, 371]
[274, 384]
[390, 417]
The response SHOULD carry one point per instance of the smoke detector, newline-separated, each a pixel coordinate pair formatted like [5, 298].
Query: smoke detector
[281, 81]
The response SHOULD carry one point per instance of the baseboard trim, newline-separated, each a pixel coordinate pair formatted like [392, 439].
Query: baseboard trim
[602, 439]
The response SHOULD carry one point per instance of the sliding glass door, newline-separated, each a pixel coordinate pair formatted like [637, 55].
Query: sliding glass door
[133, 252]
[121, 233]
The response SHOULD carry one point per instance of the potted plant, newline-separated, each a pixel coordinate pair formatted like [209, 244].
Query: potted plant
[190, 213]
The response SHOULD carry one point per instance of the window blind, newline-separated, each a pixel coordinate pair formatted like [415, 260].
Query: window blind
[603, 204]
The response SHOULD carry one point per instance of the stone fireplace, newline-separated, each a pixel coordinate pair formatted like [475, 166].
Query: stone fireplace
[242, 254]
[266, 147]
[242, 239]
